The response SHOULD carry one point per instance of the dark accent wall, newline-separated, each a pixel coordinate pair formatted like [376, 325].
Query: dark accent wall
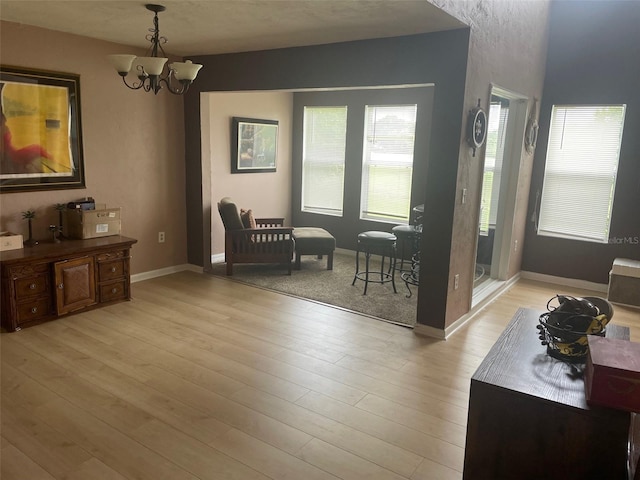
[593, 58]
[438, 58]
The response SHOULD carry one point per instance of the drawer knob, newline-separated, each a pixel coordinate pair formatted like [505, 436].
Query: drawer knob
[60, 286]
[34, 310]
[32, 286]
[113, 269]
[114, 290]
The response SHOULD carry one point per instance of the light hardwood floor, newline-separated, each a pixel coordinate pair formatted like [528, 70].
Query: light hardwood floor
[199, 377]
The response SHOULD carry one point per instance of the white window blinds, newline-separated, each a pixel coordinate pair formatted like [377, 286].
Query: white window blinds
[580, 172]
[389, 137]
[323, 158]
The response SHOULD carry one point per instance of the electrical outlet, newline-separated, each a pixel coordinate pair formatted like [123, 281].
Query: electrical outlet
[456, 281]
[160, 237]
[515, 246]
[464, 196]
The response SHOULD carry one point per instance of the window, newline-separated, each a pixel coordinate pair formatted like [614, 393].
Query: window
[389, 135]
[323, 158]
[580, 173]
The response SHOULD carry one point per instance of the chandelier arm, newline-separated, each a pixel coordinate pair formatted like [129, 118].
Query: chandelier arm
[134, 86]
[184, 85]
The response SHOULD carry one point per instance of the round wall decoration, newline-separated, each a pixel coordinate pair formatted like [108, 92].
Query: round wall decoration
[477, 128]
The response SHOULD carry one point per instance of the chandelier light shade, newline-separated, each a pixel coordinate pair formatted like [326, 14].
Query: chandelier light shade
[152, 71]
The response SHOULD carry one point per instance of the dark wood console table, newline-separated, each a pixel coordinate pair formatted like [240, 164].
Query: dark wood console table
[50, 280]
[528, 416]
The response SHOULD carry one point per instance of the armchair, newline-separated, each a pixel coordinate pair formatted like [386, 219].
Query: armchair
[260, 240]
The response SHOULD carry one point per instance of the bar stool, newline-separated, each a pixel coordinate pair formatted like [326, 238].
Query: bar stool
[376, 243]
[406, 234]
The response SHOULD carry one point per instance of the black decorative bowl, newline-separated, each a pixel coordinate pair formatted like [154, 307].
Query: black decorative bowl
[564, 328]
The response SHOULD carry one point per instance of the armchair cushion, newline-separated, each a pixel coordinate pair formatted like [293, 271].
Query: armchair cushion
[229, 214]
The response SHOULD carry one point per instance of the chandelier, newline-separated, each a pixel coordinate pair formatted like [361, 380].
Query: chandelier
[152, 70]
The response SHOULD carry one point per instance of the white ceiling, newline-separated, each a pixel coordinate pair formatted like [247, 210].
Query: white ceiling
[222, 26]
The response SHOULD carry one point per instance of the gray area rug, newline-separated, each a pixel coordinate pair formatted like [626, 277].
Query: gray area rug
[314, 282]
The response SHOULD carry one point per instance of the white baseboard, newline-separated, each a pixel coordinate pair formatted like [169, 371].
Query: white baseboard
[217, 258]
[138, 277]
[433, 332]
[567, 282]
[427, 331]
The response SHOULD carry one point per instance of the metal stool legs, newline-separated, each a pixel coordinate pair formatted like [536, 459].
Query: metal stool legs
[376, 243]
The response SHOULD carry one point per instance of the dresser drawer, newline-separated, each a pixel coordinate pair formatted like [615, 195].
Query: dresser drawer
[113, 255]
[36, 285]
[114, 291]
[110, 270]
[33, 310]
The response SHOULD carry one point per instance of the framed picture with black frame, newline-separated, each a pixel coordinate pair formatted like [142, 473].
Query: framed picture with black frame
[254, 145]
[41, 146]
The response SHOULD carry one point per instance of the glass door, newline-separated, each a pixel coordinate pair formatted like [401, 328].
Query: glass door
[504, 149]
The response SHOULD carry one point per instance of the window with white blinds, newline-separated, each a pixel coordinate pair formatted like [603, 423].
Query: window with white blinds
[389, 136]
[580, 172]
[323, 159]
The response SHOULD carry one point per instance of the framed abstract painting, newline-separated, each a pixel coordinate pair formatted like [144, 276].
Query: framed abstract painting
[41, 146]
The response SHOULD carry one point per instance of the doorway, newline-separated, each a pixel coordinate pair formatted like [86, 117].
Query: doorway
[505, 132]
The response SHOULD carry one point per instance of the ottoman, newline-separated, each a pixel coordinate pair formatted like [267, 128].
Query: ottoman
[314, 241]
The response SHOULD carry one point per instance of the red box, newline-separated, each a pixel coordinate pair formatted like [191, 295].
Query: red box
[612, 374]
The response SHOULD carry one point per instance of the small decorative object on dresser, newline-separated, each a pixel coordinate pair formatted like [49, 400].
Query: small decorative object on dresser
[30, 215]
[10, 241]
[60, 208]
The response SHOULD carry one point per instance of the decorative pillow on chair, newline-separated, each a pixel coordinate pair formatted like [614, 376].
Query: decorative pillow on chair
[248, 220]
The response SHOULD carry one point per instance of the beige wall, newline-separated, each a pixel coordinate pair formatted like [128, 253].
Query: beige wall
[508, 47]
[133, 146]
[267, 194]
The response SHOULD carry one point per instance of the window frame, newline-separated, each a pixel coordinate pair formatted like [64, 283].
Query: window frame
[555, 170]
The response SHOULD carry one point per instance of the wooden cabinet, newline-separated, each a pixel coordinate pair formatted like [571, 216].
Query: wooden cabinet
[529, 419]
[50, 280]
[75, 284]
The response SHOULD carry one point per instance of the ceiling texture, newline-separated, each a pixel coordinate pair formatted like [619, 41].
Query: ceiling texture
[227, 26]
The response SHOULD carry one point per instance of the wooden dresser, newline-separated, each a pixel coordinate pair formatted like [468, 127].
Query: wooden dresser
[50, 280]
[529, 419]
